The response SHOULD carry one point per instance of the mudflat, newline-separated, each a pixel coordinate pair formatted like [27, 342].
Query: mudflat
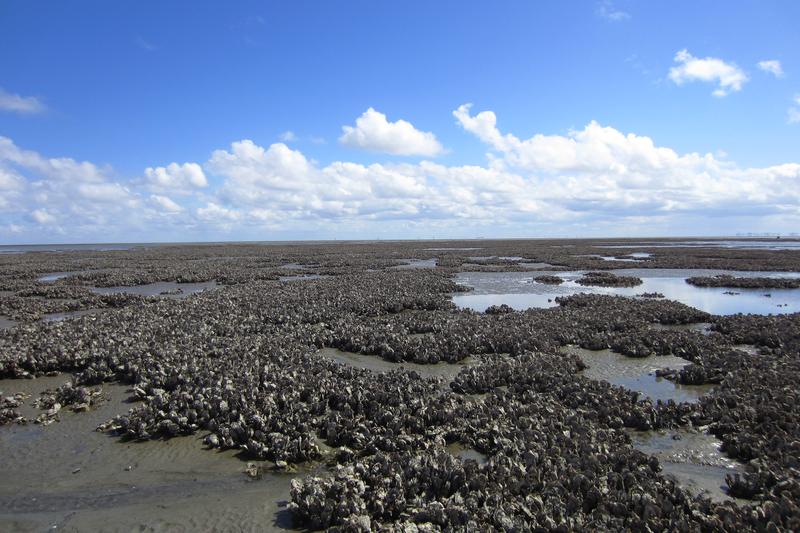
[198, 387]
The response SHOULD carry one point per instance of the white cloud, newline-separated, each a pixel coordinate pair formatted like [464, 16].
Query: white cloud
[593, 177]
[104, 192]
[10, 180]
[165, 203]
[600, 169]
[287, 136]
[176, 178]
[607, 11]
[27, 105]
[373, 132]
[62, 194]
[251, 168]
[728, 77]
[772, 66]
[214, 212]
[41, 216]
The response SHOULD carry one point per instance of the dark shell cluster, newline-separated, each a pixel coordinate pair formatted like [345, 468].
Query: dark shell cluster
[608, 279]
[240, 365]
[732, 282]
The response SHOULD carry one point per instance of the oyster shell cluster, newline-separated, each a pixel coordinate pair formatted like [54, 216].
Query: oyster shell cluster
[239, 365]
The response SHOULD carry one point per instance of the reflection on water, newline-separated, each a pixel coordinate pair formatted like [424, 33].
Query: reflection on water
[690, 456]
[518, 290]
[500, 257]
[67, 475]
[53, 276]
[746, 244]
[168, 289]
[613, 258]
[294, 266]
[450, 249]
[535, 266]
[416, 263]
[6, 323]
[302, 277]
[457, 449]
[108, 247]
[57, 317]
[700, 327]
[638, 374]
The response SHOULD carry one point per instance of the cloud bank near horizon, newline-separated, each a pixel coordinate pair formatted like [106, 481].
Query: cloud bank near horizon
[596, 179]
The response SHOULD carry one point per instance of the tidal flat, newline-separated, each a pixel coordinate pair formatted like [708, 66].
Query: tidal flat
[355, 386]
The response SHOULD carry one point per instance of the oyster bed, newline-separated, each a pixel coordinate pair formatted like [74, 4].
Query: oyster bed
[388, 406]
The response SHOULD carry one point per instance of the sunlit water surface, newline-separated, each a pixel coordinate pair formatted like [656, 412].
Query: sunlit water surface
[519, 291]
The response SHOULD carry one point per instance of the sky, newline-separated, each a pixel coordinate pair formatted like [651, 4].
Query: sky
[156, 121]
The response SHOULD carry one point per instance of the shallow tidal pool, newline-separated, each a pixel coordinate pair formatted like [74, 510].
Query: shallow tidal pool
[519, 290]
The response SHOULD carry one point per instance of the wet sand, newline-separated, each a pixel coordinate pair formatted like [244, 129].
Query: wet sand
[167, 289]
[638, 374]
[693, 458]
[78, 479]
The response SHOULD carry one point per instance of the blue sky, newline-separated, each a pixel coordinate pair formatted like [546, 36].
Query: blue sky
[146, 121]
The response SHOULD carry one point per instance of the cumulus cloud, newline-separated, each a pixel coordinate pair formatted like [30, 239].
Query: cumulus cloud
[592, 177]
[373, 132]
[602, 169]
[287, 136]
[177, 178]
[41, 216]
[728, 77]
[165, 203]
[214, 212]
[772, 66]
[26, 105]
[62, 194]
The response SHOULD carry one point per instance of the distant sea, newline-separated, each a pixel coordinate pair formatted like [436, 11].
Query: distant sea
[105, 247]
[792, 243]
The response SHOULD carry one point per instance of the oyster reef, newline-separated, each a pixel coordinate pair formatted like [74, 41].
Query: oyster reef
[402, 386]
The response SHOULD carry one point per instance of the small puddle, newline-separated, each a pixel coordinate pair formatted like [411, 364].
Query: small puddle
[777, 244]
[638, 374]
[499, 257]
[6, 323]
[54, 276]
[700, 327]
[416, 263]
[613, 258]
[167, 289]
[374, 363]
[57, 317]
[749, 349]
[303, 277]
[692, 457]
[294, 266]
[450, 249]
[535, 266]
[457, 449]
